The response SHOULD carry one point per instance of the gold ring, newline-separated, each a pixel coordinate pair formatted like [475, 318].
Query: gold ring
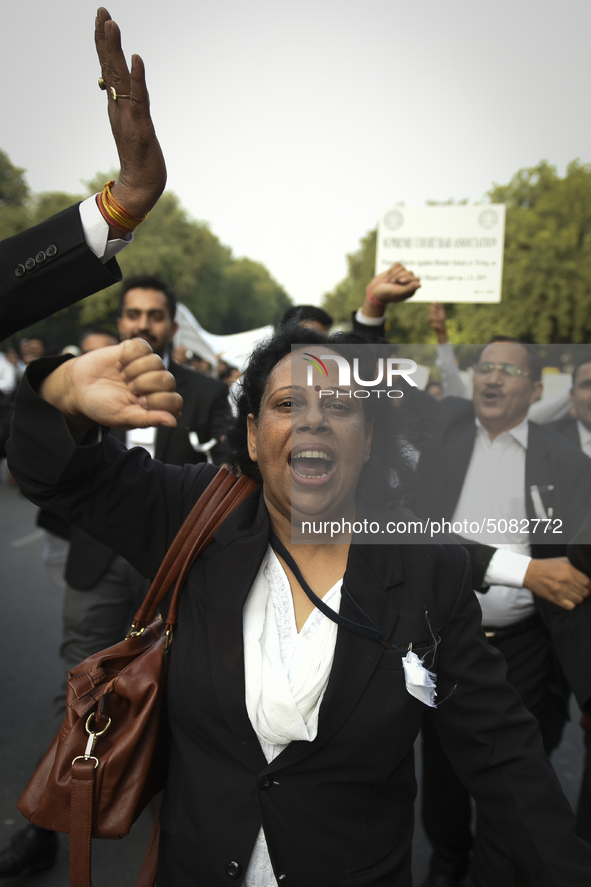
[101, 83]
[118, 96]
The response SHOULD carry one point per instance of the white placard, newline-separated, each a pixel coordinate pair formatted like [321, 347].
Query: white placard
[457, 251]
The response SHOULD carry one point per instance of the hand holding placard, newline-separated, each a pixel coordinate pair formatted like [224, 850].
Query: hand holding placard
[394, 285]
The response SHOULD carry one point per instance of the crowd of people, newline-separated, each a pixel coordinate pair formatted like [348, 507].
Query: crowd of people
[301, 674]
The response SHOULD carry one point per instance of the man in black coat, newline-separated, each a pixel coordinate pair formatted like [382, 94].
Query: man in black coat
[571, 631]
[544, 486]
[578, 426]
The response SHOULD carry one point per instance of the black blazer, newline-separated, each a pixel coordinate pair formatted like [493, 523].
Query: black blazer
[372, 333]
[567, 427]
[337, 811]
[206, 412]
[46, 268]
[571, 629]
[579, 552]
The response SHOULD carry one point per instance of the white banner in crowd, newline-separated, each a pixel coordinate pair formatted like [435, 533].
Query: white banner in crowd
[457, 251]
[235, 348]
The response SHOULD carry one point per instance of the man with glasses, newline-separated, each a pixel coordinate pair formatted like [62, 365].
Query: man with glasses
[492, 466]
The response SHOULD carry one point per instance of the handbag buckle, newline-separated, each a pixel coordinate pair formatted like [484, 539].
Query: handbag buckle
[134, 632]
[86, 758]
[92, 738]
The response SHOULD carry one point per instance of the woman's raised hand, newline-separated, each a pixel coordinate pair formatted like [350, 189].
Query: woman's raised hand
[143, 171]
[121, 386]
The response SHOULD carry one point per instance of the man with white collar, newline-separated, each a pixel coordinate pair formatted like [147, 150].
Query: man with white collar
[493, 465]
[93, 572]
[577, 427]
[147, 309]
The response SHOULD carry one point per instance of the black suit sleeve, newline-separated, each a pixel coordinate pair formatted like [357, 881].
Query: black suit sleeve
[480, 557]
[571, 629]
[370, 332]
[219, 419]
[205, 411]
[46, 268]
[138, 503]
[579, 551]
[495, 747]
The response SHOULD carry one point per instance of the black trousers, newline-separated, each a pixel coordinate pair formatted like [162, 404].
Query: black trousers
[583, 825]
[96, 619]
[446, 806]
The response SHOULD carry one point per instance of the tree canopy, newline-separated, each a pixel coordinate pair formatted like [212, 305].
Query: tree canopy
[546, 295]
[14, 190]
[226, 294]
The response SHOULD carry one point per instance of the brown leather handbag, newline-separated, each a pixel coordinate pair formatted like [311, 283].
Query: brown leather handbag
[109, 757]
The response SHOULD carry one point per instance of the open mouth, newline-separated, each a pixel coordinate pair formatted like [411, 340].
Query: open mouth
[312, 464]
[491, 397]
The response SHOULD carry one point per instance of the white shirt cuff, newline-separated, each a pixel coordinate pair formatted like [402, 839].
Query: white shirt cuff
[550, 409]
[96, 232]
[445, 354]
[507, 568]
[368, 321]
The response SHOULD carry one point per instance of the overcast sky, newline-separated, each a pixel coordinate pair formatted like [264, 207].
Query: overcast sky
[289, 126]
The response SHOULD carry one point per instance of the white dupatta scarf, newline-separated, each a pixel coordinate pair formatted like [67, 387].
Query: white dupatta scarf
[286, 674]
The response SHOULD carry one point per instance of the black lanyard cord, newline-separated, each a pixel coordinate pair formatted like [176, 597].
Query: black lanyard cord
[367, 628]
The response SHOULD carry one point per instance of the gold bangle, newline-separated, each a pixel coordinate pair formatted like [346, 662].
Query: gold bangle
[118, 213]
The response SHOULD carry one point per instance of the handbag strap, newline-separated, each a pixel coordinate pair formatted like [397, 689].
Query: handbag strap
[203, 534]
[223, 494]
[221, 497]
[81, 810]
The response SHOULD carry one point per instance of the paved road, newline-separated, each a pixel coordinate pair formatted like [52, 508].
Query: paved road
[29, 675]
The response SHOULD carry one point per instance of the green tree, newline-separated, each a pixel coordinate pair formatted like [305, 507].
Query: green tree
[547, 271]
[254, 297]
[404, 322]
[227, 295]
[14, 190]
[546, 296]
[14, 193]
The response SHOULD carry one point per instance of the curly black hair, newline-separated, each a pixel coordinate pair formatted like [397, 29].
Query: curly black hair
[393, 452]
